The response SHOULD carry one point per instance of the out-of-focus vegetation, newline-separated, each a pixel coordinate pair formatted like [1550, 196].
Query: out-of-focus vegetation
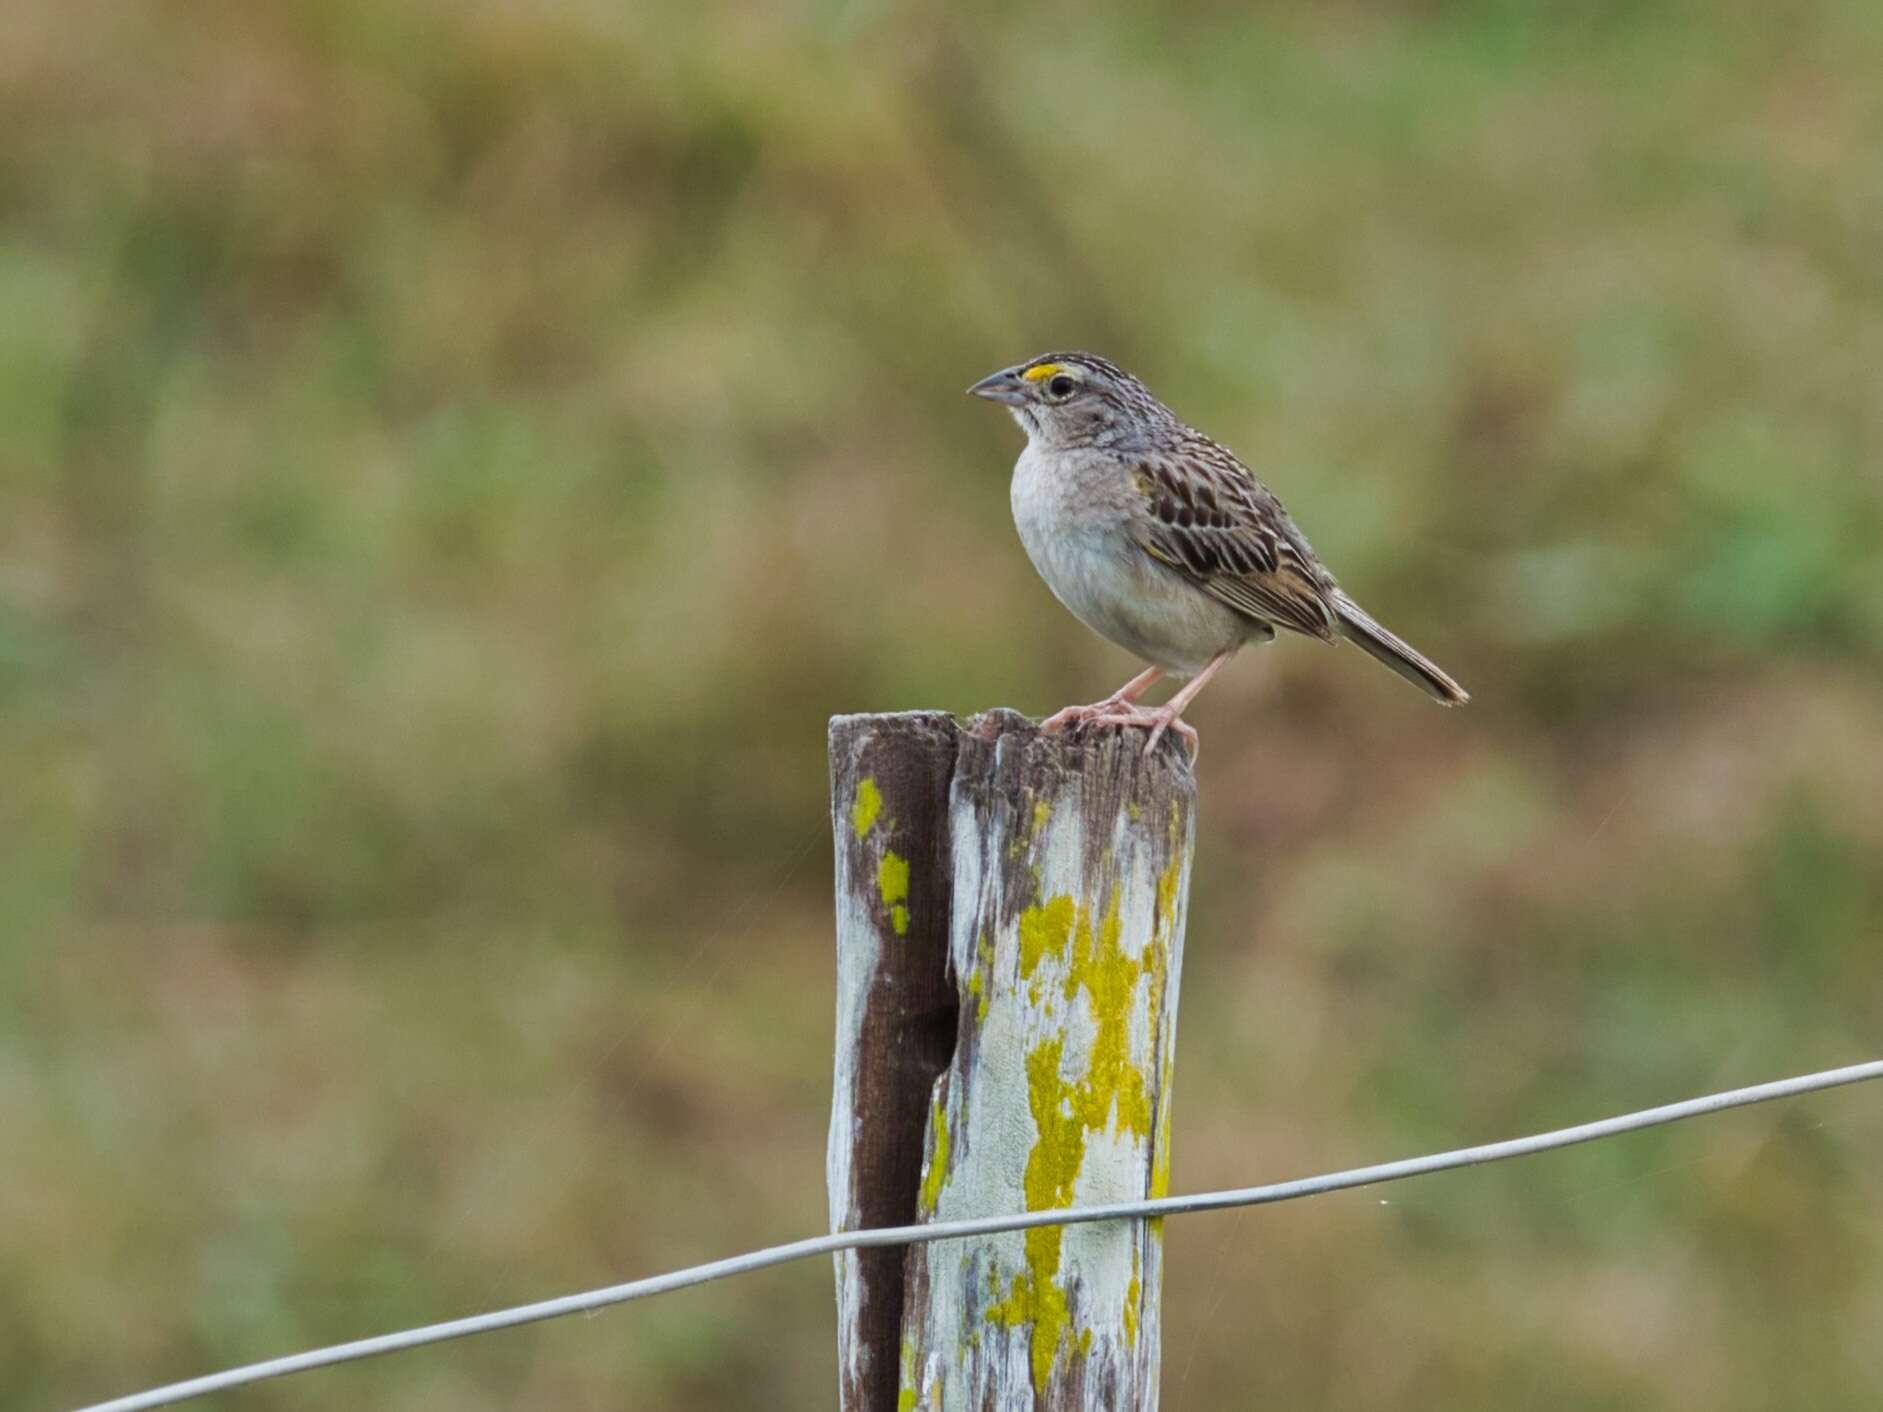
[457, 454]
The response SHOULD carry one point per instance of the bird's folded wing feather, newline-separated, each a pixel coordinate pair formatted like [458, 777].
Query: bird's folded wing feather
[1208, 518]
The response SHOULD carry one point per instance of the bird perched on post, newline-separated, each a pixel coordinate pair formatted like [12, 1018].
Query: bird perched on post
[1159, 539]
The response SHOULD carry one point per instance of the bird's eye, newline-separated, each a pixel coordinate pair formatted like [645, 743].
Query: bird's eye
[1061, 387]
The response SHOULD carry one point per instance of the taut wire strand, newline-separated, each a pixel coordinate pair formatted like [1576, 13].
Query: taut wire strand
[986, 1225]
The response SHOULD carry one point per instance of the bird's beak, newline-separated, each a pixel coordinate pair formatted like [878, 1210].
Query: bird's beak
[1003, 386]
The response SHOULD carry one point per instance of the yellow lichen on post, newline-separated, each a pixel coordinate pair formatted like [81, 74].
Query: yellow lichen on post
[892, 882]
[869, 803]
[1133, 1292]
[937, 1170]
[1109, 977]
[977, 977]
[1045, 931]
[910, 1395]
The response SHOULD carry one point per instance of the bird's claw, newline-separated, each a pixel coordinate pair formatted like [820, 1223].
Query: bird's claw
[1171, 721]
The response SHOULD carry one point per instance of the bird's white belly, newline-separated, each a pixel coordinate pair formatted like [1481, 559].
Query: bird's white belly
[1077, 534]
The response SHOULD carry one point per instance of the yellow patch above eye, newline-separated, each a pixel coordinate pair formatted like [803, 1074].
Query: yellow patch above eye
[1041, 372]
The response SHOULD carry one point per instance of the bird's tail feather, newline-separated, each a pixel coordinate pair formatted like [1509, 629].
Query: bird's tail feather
[1393, 651]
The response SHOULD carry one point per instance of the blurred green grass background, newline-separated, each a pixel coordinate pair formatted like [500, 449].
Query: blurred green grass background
[458, 454]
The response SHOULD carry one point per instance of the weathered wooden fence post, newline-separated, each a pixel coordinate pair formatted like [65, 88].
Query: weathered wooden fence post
[1009, 940]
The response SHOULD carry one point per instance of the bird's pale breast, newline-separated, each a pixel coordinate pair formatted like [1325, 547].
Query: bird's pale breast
[1074, 515]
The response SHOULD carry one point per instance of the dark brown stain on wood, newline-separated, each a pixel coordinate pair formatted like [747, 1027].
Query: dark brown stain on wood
[909, 1022]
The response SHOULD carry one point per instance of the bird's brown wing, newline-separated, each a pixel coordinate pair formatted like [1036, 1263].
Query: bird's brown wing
[1208, 518]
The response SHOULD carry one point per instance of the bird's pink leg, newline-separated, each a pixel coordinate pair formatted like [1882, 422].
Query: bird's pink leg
[1128, 694]
[1166, 717]
[1120, 701]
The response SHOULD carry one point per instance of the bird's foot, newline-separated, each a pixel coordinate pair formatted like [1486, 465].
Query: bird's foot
[1165, 718]
[1113, 709]
[1121, 705]
[1123, 713]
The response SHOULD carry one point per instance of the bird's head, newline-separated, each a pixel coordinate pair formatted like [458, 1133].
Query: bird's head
[1064, 400]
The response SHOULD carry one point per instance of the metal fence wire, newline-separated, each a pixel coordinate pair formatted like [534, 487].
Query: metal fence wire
[988, 1225]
